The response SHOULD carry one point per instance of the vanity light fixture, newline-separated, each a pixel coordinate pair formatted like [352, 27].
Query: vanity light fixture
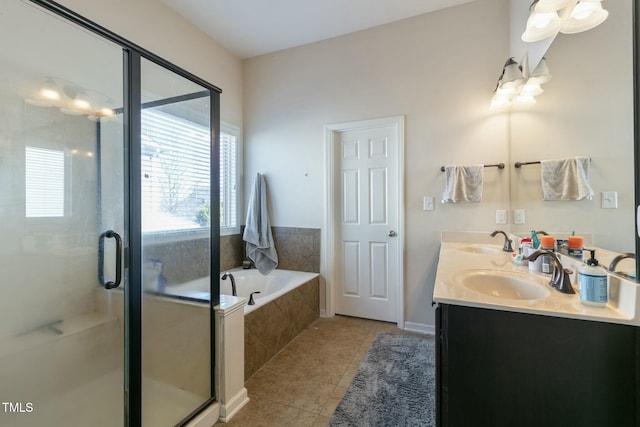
[543, 22]
[586, 15]
[548, 17]
[515, 88]
[540, 74]
[511, 75]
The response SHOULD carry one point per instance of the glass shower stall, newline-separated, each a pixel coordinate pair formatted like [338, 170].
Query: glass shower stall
[108, 155]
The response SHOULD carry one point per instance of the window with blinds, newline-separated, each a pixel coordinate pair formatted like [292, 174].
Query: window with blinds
[44, 182]
[228, 180]
[176, 174]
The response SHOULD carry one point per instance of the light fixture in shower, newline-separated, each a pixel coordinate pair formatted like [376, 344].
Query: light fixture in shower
[71, 98]
[548, 17]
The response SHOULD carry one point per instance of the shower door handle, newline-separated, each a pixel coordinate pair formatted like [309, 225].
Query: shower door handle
[110, 234]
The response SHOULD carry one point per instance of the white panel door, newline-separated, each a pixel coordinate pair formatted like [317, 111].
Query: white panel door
[367, 220]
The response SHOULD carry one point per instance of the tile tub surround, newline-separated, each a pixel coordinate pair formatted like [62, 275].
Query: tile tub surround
[298, 249]
[231, 251]
[182, 259]
[269, 329]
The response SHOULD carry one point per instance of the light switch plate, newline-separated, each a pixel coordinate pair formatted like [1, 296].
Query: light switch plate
[518, 216]
[609, 200]
[501, 216]
[427, 203]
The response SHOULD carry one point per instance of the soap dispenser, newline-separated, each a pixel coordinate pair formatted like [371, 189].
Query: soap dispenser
[593, 282]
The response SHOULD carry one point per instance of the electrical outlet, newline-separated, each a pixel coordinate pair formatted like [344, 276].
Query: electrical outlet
[501, 216]
[518, 216]
[427, 203]
[609, 200]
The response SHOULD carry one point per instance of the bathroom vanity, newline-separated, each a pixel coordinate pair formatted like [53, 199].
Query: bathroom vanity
[512, 351]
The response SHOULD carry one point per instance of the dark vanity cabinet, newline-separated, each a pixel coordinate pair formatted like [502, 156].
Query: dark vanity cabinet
[501, 368]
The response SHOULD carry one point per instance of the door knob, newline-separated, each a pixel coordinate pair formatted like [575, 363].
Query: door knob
[392, 233]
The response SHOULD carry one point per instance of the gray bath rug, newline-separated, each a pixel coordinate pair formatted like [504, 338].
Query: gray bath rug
[394, 385]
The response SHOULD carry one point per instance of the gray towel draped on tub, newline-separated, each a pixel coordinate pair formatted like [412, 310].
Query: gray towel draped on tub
[257, 232]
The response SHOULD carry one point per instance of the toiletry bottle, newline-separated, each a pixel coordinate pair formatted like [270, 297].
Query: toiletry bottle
[525, 244]
[576, 248]
[547, 243]
[593, 282]
[534, 239]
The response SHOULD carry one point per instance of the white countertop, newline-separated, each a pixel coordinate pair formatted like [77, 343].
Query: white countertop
[623, 294]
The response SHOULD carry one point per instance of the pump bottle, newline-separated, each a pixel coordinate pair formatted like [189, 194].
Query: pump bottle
[593, 283]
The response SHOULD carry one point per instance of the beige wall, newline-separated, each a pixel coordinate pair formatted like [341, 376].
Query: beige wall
[153, 26]
[438, 70]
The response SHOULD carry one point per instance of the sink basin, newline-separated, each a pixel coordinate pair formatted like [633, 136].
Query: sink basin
[501, 284]
[479, 250]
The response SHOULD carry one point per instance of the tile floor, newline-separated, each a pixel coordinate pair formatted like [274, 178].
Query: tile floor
[304, 382]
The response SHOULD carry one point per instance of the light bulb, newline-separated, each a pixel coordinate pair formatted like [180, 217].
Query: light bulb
[583, 10]
[82, 103]
[107, 112]
[525, 99]
[531, 89]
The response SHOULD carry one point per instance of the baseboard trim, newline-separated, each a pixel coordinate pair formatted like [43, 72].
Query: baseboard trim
[421, 328]
[323, 312]
[237, 402]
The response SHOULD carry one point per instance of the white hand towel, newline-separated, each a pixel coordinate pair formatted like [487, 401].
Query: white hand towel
[463, 184]
[566, 179]
[257, 232]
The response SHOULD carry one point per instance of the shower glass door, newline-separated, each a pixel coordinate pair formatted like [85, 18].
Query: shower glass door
[176, 141]
[62, 192]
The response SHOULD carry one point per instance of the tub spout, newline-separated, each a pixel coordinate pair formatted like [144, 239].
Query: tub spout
[233, 282]
[251, 301]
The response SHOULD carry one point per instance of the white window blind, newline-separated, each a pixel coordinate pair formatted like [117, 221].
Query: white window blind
[44, 182]
[228, 182]
[175, 173]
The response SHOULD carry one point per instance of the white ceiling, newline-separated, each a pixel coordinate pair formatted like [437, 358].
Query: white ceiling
[249, 28]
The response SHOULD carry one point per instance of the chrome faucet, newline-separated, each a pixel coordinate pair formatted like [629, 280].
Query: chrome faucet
[617, 259]
[233, 282]
[507, 242]
[560, 280]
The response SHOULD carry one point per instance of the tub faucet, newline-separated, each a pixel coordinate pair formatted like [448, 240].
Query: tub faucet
[251, 301]
[233, 282]
[560, 280]
[617, 259]
[507, 242]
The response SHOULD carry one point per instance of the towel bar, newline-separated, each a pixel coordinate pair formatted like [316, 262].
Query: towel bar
[520, 164]
[497, 165]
